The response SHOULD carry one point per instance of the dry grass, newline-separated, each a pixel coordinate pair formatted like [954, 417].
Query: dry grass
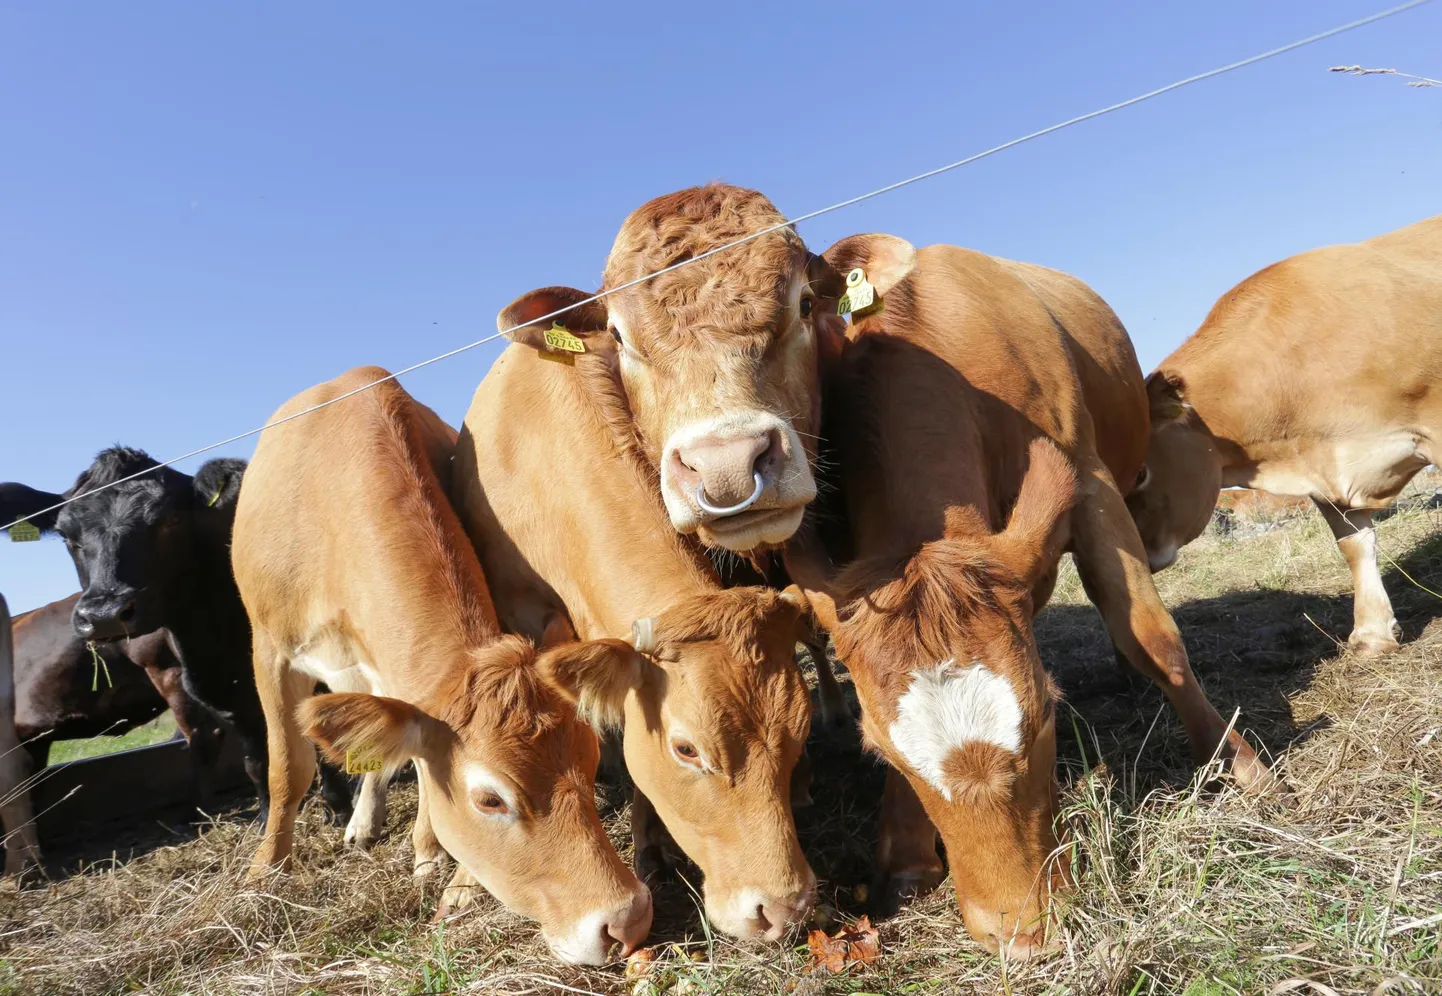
[1181, 891]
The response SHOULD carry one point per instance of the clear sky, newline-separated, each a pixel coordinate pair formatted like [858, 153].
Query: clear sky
[205, 208]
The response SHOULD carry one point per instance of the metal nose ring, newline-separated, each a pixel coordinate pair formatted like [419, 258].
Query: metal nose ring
[717, 510]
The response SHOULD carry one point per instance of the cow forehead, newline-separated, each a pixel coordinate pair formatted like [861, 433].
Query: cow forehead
[134, 501]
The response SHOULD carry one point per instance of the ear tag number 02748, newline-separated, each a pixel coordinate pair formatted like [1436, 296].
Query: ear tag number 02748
[364, 761]
[24, 532]
[860, 297]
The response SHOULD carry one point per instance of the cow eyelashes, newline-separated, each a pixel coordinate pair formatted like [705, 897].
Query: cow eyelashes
[686, 752]
[806, 307]
[490, 803]
[616, 334]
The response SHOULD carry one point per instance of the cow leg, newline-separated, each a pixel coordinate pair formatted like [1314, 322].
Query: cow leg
[17, 815]
[196, 724]
[462, 890]
[907, 862]
[1113, 566]
[424, 843]
[647, 836]
[1374, 628]
[291, 756]
[835, 714]
[335, 789]
[369, 819]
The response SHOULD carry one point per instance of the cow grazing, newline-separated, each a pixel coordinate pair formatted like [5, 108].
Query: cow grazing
[356, 571]
[154, 553]
[965, 416]
[17, 816]
[68, 690]
[560, 501]
[715, 373]
[1314, 377]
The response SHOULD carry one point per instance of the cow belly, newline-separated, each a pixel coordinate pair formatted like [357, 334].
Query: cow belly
[1356, 473]
[340, 674]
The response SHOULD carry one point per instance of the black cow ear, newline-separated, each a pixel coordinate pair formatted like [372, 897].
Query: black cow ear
[19, 502]
[217, 482]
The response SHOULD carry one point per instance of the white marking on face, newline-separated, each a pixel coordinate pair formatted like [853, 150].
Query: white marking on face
[479, 779]
[945, 709]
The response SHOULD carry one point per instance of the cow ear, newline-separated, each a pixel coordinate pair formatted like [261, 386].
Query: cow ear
[363, 728]
[595, 676]
[1166, 395]
[524, 319]
[217, 482]
[18, 501]
[886, 259]
[1037, 530]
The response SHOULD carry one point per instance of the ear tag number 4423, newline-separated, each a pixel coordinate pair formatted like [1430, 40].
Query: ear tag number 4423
[860, 296]
[364, 761]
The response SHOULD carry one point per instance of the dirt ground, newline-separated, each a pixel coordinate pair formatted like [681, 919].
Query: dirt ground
[1181, 890]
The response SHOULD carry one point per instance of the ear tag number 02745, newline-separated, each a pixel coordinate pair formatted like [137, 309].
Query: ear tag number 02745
[860, 297]
[364, 761]
[558, 338]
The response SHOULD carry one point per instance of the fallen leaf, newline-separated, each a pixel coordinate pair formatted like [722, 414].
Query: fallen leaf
[858, 944]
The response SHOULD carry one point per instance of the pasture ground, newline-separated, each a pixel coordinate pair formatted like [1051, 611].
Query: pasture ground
[1181, 890]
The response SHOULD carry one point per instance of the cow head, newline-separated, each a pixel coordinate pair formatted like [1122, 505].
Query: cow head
[953, 695]
[507, 776]
[713, 723]
[717, 360]
[135, 544]
[1177, 489]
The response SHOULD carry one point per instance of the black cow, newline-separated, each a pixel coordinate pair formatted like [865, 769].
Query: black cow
[154, 553]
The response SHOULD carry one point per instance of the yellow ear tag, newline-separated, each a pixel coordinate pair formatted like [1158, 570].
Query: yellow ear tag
[565, 359]
[24, 532]
[214, 498]
[860, 296]
[364, 761]
[558, 338]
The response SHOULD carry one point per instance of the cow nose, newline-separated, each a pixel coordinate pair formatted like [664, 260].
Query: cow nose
[1004, 935]
[724, 471]
[102, 619]
[630, 924]
[594, 935]
[757, 915]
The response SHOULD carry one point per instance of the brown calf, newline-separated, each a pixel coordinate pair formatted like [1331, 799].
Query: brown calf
[1314, 377]
[356, 572]
[969, 461]
[562, 508]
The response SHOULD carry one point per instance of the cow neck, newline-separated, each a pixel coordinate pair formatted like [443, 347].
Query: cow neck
[651, 566]
[428, 607]
[206, 611]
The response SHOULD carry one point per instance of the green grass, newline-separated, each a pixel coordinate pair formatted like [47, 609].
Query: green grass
[158, 730]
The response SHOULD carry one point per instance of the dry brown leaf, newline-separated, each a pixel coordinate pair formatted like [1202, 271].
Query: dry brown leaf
[858, 944]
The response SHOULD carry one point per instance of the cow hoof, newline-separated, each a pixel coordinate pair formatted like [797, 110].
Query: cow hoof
[425, 869]
[361, 841]
[899, 888]
[1371, 645]
[462, 892]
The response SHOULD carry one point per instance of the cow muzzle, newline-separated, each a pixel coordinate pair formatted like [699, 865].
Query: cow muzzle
[589, 940]
[751, 914]
[107, 615]
[740, 480]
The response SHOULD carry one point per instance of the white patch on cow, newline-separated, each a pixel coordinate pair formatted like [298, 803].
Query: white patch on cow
[339, 673]
[1352, 472]
[945, 709]
[480, 779]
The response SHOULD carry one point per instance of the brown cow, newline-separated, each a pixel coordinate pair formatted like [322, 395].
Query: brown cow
[716, 371]
[17, 816]
[563, 510]
[1314, 377]
[356, 572]
[969, 460]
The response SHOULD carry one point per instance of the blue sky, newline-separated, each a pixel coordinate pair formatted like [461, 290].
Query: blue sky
[207, 208]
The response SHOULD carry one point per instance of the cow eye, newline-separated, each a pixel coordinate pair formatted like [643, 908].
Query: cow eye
[616, 334]
[1144, 477]
[806, 307]
[686, 752]
[491, 803]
